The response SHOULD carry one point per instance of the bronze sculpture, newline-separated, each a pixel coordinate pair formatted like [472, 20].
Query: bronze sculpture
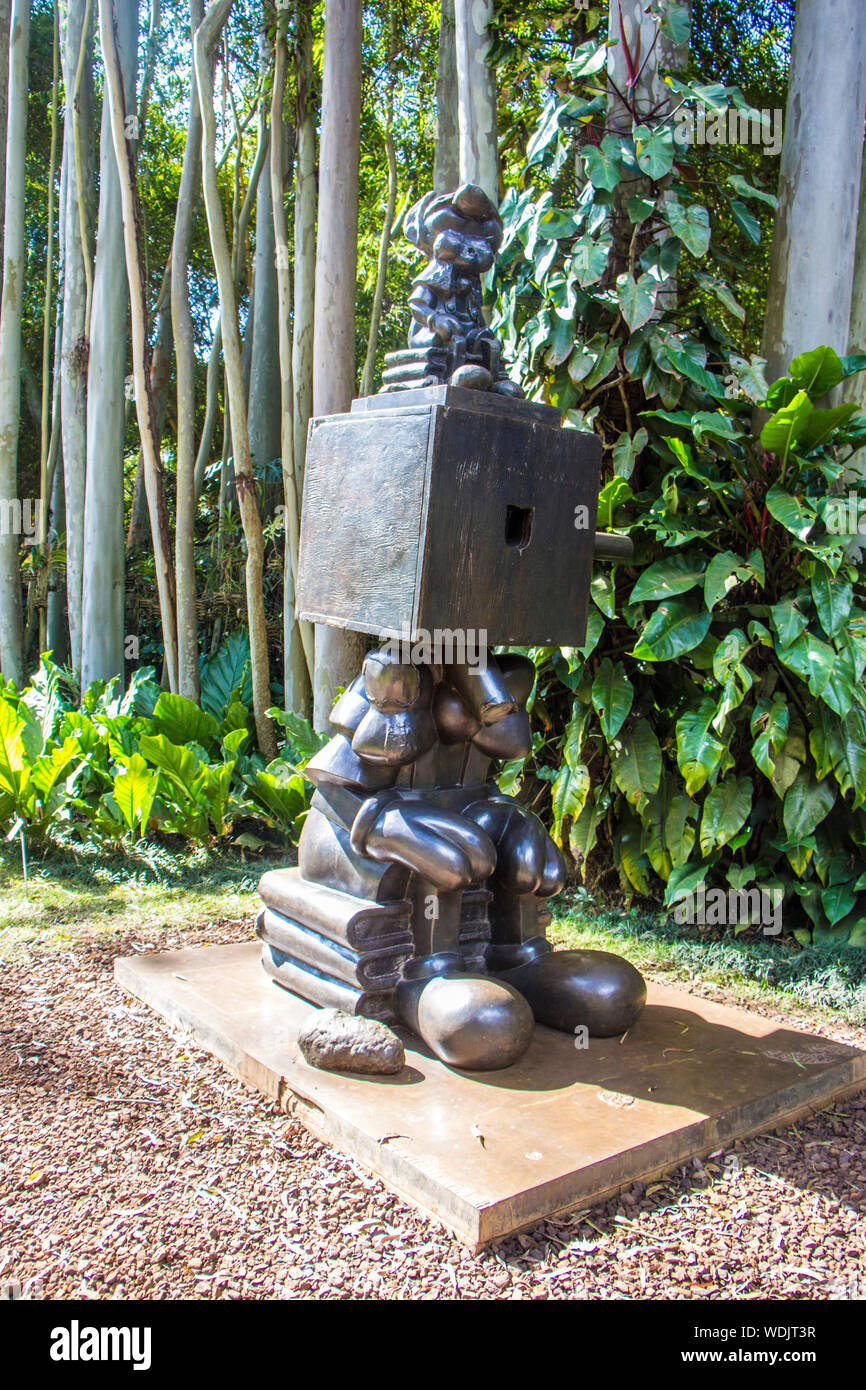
[420, 891]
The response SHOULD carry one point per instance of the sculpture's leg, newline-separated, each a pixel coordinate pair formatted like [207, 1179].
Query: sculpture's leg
[565, 989]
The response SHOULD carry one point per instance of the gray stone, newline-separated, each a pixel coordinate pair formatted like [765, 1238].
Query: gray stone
[336, 1041]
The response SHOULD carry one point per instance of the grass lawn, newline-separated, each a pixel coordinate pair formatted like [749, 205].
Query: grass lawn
[88, 893]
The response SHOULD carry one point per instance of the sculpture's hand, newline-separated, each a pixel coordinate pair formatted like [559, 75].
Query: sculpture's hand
[527, 860]
[447, 849]
[445, 326]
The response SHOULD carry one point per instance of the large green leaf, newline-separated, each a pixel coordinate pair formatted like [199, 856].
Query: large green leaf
[14, 768]
[637, 298]
[817, 371]
[636, 763]
[788, 621]
[726, 809]
[675, 627]
[770, 723]
[225, 673]
[807, 802]
[691, 223]
[655, 150]
[589, 260]
[832, 599]
[628, 855]
[722, 574]
[796, 516]
[180, 765]
[679, 831]
[673, 574]
[603, 164]
[699, 752]
[746, 221]
[569, 792]
[583, 832]
[822, 424]
[183, 722]
[783, 429]
[615, 493]
[612, 696]
[134, 791]
[850, 771]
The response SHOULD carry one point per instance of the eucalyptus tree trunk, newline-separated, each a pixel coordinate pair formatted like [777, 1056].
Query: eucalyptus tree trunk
[124, 153]
[263, 334]
[5, 11]
[855, 387]
[138, 532]
[812, 266]
[181, 317]
[388, 221]
[203, 47]
[338, 653]
[76, 48]
[103, 577]
[639, 54]
[446, 164]
[476, 96]
[305, 240]
[298, 648]
[11, 654]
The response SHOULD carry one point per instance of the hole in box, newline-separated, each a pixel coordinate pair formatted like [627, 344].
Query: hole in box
[518, 526]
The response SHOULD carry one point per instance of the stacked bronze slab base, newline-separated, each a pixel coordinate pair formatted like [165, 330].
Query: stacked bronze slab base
[340, 951]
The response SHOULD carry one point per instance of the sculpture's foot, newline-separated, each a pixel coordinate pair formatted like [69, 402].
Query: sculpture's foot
[571, 989]
[469, 1021]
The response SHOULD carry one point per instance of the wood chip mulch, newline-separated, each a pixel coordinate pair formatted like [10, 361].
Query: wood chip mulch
[133, 1166]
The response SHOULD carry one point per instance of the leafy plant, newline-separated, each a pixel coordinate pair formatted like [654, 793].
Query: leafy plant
[142, 761]
[715, 719]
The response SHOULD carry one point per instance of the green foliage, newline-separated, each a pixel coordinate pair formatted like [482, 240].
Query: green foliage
[715, 721]
[123, 766]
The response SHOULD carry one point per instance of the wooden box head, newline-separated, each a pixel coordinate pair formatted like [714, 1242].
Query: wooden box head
[444, 509]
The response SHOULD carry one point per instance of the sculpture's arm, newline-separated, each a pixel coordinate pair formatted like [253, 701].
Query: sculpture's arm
[424, 307]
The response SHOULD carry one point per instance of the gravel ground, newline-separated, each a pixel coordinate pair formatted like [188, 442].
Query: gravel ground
[133, 1166]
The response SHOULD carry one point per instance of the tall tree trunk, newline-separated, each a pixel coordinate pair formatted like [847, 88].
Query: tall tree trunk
[76, 36]
[388, 222]
[264, 347]
[56, 638]
[103, 578]
[812, 266]
[305, 241]
[187, 617]
[11, 654]
[296, 651]
[203, 47]
[446, 164]
[855, 387]
[5, 12]
[476, 97]
[638, 56]
[125, 161]
[338, 653]
[138, 532]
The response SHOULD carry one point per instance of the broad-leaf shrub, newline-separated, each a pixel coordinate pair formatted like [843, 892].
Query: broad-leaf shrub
[122, 765]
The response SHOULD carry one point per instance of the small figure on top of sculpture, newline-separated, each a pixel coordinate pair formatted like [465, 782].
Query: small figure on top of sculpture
[449, 340]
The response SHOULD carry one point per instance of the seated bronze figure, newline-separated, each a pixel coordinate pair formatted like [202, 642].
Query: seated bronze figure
[420, 893]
